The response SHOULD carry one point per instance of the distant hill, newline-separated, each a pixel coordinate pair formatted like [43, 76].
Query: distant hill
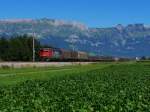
[129, 41]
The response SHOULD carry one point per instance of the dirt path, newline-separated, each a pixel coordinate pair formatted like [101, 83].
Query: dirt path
[20, 73]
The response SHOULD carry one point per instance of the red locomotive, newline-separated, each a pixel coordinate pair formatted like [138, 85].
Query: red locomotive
[50, 54]
[46, 53]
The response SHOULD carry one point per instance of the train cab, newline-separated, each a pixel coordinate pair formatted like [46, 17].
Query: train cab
[46, 53]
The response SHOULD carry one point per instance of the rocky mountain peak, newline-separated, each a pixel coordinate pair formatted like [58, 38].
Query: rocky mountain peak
[15, 20]
[120, 27]
[137, 27]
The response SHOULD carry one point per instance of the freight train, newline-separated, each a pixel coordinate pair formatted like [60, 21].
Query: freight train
[55, 54]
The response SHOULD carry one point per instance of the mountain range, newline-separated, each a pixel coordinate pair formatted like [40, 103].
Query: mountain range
[127, 41]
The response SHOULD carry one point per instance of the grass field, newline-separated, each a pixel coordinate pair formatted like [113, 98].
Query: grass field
[82, 88]
[12, 76]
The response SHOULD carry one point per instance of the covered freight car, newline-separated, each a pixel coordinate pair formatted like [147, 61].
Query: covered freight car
[74, 55]
[69, 55]
[65, 54]
[82, 56]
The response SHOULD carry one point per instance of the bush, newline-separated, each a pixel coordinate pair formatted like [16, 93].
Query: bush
[5, 67]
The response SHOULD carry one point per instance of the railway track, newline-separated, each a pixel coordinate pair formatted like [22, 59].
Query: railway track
[39, 64]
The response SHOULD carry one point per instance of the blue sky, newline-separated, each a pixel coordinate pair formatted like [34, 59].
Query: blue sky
[94, 13]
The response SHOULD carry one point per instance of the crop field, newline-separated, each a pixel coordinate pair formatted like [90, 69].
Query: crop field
[103, 87]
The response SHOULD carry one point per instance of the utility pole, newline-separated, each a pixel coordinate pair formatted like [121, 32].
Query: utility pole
[33, 47]
[72, 46]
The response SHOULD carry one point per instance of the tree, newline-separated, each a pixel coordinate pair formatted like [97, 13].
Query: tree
[4, 46]
[143, 58]
[18, 48]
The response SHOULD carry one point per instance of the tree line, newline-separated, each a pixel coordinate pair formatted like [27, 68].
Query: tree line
[18, 48]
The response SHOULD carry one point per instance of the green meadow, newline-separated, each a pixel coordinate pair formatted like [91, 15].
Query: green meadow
[99, 87]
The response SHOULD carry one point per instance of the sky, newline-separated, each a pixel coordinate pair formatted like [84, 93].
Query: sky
[93, 13]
